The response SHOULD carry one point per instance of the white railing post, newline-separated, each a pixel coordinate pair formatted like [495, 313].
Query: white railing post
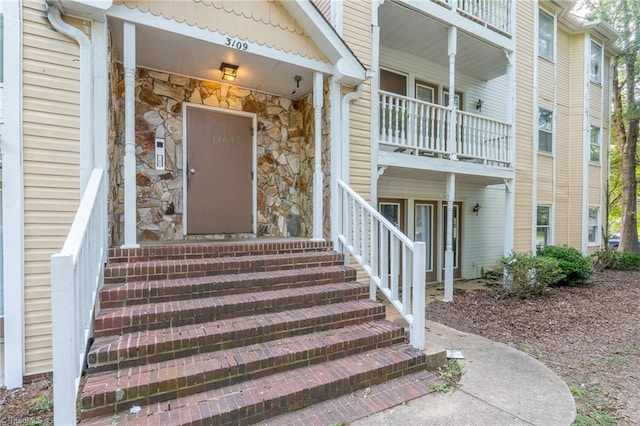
[63, 314]
[419, 282]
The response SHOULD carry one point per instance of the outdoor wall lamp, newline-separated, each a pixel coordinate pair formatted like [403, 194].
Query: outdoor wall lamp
[479, 105]
[229, 72]
[476, 209]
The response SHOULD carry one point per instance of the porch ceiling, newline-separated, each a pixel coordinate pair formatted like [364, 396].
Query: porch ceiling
[170, 52]
[440, 177]
[411, 31]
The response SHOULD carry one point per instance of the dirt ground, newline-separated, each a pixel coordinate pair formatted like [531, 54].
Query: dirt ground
[590, 336]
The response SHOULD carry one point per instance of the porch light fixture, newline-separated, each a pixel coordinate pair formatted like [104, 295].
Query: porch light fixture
[476, 209]
[479, 105]
[229, 72]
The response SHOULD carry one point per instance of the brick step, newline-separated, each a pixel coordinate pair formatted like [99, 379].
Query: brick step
[140, 292]
[115, 273]
[215, 249]
[167, 380]
[195, 311]
[112, 352]
[366, 402]
[258, 399]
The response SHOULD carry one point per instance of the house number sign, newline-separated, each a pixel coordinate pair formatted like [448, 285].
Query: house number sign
[240, 45]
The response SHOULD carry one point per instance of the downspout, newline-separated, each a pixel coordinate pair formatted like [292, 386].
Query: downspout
[344, 107]
[86, 90]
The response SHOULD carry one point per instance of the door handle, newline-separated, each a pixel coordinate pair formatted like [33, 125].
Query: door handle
[192, 171]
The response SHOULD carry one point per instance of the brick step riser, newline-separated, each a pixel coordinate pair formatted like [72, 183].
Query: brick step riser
[150, 353]
[114, 274]
[204, 250]
[116, 296]
[276, 404]
[155, 321]
[202, 381]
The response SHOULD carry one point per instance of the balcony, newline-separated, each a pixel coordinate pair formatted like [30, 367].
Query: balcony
[493, 14]
[418, 128]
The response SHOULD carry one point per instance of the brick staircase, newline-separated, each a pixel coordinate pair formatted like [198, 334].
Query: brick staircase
[234, 333]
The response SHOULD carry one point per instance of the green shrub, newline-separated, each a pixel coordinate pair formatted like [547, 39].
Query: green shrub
[627, 261]
[528, 275]
[575, 268]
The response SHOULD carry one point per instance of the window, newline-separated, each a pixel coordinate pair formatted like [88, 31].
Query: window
[545, 133]
[543, 233]
[546, 35]
[393, 82]
[594, 145]
[594, 225]
[595, 67]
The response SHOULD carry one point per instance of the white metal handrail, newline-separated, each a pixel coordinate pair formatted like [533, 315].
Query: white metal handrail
[77, 273]
[394, 263]
[422, 128]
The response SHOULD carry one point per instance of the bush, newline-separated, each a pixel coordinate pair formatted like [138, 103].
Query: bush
[617, 260]
[528, 275]
[575, 268]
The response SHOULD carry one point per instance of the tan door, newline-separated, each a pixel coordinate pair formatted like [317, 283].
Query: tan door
[219, 172]
[457, 244]
[425, 230]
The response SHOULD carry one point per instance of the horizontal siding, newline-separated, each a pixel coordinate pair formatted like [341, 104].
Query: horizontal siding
[545, 188]
[594, 185]
[357, 34]
[576, 144]
[51, 157]
[524, 122]
[546, 82]
[595, 104]
[562, 219]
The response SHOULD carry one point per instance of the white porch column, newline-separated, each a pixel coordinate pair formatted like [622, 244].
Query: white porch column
[509, 216]
[452, 50]
[317, 167]
[129, 136]
[448, 253]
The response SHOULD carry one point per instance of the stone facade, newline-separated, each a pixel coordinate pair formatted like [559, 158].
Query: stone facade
[285, 156]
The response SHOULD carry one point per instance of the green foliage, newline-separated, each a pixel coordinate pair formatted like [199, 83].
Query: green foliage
[529, 275]
[617, 260]
[41, 404]
[450, 373]
[32, 422]
[575, 268]
[531, 350]
[593, 406]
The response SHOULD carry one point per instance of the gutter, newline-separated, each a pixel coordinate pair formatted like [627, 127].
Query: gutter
[86, 90]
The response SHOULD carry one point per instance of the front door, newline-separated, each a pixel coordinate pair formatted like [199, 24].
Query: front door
[425, 230]
[456, 237]
[219, 172]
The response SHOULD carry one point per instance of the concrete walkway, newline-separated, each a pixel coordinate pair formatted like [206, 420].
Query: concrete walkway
[500, 386]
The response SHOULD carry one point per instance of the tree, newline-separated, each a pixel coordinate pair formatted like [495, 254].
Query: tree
[624, 16]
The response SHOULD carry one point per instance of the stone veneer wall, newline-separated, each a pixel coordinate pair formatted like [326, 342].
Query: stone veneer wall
[284, 149]
[115, 153]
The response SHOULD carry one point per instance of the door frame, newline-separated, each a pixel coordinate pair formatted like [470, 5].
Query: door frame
[254, 162]
[432, 274]
[457, 271]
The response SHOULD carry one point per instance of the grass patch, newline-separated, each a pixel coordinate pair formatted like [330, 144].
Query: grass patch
[41, 404]
[531, 350]
[592, 403]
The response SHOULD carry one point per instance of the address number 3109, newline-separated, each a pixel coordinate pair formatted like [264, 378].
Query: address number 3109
[236, 44]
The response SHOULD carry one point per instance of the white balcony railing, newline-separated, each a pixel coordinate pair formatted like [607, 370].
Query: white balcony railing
[77, 274]
[496, 14]
[394, 263]
[422, 128]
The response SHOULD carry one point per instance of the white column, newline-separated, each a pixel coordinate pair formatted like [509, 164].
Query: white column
[448, 253]
[509, 216]
[452, 49]
[317, 166]
[336, 161]
[129, 136]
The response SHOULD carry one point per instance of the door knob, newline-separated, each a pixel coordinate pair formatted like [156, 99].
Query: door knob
[192, 171]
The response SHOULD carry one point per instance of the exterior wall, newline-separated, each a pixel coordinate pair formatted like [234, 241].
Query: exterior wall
[285, 155]
[324, 6]
[266, 23]
[116, 121]
[525, 117]
[482, 235]
[358, 36]
[563, 213]
[51, 167]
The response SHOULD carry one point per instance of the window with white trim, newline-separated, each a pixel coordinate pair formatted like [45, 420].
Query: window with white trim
[593, 225]
[546, 35]
[545, 132]
[543, 225]
[594, 145]
[595, 63]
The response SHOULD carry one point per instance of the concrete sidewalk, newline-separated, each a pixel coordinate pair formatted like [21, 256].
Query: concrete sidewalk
[500, 386]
